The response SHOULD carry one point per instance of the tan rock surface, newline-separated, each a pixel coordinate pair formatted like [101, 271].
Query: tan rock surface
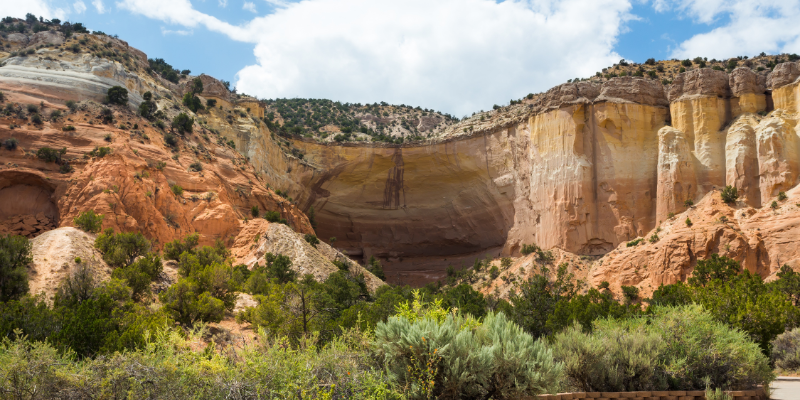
[54, 259]
[784, 74]
[260, 237]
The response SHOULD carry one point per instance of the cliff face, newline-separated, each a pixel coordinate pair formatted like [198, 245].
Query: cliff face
[584, 167]
[591, 166]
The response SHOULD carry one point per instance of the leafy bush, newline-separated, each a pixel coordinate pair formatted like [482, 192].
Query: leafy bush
[32, 108]
[89, 221]
[118, 95]
[688, 222]
[528, 249]
[729, 194]
[68, 128]
[374, 266]
[196, 166]
[106, 115]
[10, 143]
[211, 103]
[174, 249]
[100, 152]
[121, 249]
[72, 105]
[192, 102]
[177, 190]
[170, 139]
[676, 348]
[55, 114]
[782, 196]
[15, 256]
[47, 154]
[254, 211]
[448, 356]
[275, 216]
[311, 239]
[36, 119]
[140, 273]
[688, 203]
[786, 350]
[279, 267]
[634, 242]
[182, 123]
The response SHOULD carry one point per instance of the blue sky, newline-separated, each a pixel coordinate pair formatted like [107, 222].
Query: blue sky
[457, 56]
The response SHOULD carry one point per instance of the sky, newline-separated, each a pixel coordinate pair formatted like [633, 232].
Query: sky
[455, 56]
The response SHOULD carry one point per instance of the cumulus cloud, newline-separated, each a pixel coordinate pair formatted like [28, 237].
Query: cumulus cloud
[79, 6]
[43, 8]
[750, 27]
[249, 6]
[180, 12]
[457, 56]
[98, 4]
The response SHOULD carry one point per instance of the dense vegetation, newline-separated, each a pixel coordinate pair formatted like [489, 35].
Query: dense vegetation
[444, 342]
[308, 117]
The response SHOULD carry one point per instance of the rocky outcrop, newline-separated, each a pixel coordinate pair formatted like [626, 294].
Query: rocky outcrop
[778, 155]
[211, 88]
[59, 253]
[699, 82]
[27, 225]
[677, 182]
[741, 160]
[783, 74]
[260, 237]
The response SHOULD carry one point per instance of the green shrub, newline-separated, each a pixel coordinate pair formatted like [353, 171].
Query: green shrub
[89, 221]
[676, 348]
[174, 249]
[688, 222]
[729, 194]
[279, 267]
[774, 205]
[36, 119]
[192, 102]
[782, 196]
[106, 115]
[47, 154]
[177, 190]
[10, 143]
[374, 266]
[100, 152]
[121, 249]
[15, 256]
[653, 238]
[786, 351]
[528, 249]
[182, 123]
[275, 216]
[140, 273]
[494, 272]
[32, 108]
[311, 239]
[55, 114]
[634, 242]
[117, 95]
[170, 139]
[254, 211]
[72, 105]
[67, 128]
[454, 357]
[688, 203]
[196, 166]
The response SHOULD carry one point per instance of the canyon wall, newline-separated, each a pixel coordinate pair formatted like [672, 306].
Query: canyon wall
[591, 166]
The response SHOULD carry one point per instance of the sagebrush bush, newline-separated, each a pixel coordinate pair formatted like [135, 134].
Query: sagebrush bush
[442, 355]
[89, 221]
[168, 366]
[676, 348]
[786, 350]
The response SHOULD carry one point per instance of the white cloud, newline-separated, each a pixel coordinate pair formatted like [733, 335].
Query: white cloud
[98, 4]
[181, 12]
[457, 56]
[249, 6]
[80, 7]
[223, 3]
[750, 27]
[165, 31]
[44, 8]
